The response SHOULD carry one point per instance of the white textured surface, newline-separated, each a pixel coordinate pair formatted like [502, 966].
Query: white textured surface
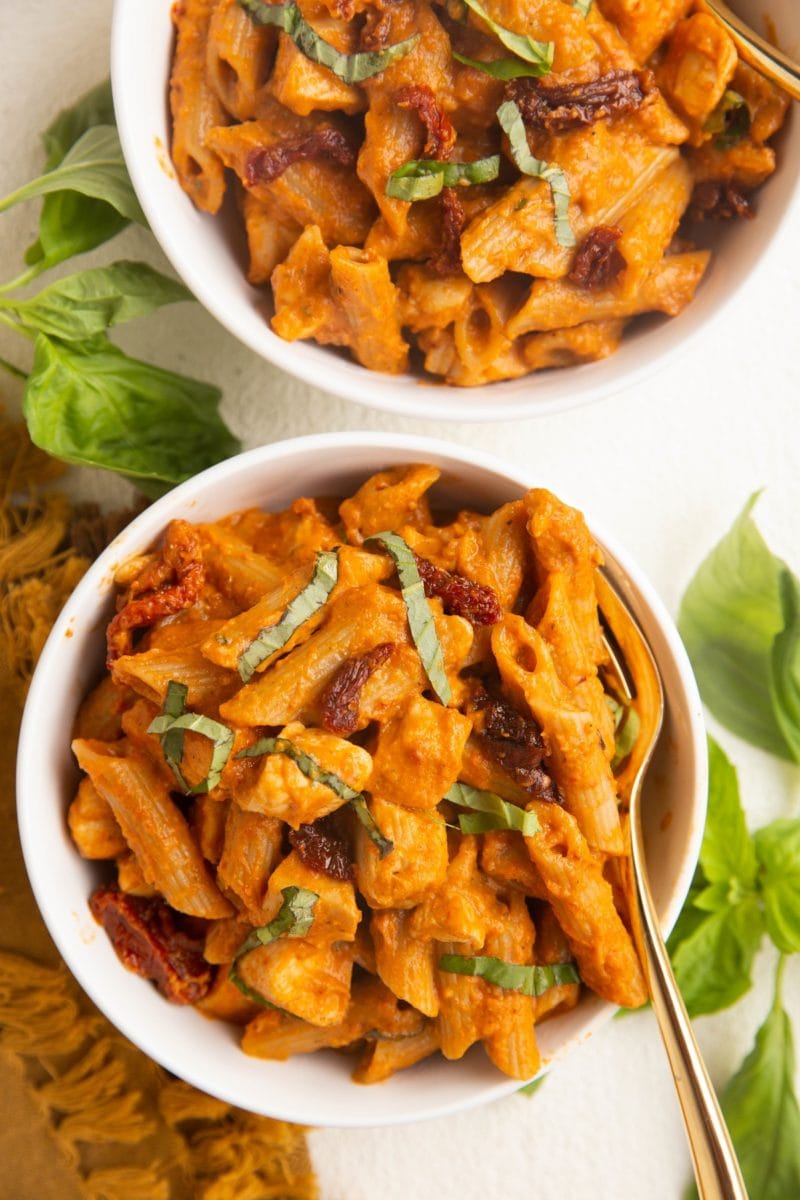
[666, 467]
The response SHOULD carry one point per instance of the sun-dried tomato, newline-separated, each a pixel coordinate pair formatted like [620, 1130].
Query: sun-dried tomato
[598, 261]
[322, 849]
[515, 743]
[147, 939]
[460, 597]
[447, 260]
[267, 163]
[165, 587]
[341, 696]
[441, 136]
[377, 29]
[718, 200]
[555, 107]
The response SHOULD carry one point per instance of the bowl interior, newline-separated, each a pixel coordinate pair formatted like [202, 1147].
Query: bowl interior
[316, 1088]
[207, 253]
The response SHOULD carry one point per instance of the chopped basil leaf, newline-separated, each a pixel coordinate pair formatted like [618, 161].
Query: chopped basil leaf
[538, 53]
[626, 730]
[317, 774]
[170, 728]
[294, 919]
[584, 7]
[500, 68]
[730, 120]
[352, 68]
[420, 615]
[304, 605]
[510, 119]
[421, 178]
[490, 812]
[515, 977]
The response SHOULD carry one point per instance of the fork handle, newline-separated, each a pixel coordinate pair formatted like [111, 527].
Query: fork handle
[755, 50]
[716, 1168]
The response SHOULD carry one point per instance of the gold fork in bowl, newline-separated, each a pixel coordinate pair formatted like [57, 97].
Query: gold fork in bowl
[759, 53]
[635, 675]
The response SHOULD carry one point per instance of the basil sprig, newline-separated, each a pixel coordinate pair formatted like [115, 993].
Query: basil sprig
[317, 774]
[294, 919]
[500, 68]
[171, 726]
[352, 68]
[490, 812]
[539, 54]
[730, 120]
[420, 614]
[421, 178]
[305, 604]
[514, 977]
[510, 118]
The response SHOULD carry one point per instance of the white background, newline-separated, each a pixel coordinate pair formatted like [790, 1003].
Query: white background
[665, 467]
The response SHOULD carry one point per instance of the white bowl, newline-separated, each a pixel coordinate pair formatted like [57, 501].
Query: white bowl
[314, 1089]
[207, 253]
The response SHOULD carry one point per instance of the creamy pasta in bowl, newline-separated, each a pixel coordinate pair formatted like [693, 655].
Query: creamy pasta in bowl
[419, 194]
[350, 780]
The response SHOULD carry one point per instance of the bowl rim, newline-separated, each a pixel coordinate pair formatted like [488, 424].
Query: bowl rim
[409, 395]
[99, 577]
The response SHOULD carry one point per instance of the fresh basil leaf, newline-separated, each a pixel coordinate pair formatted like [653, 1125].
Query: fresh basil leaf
[726, 852]
[421, 178]
[352, 68]
[500, 68]
[95, 107]
[777, 848]
[690, 917]
[174, 720]
[762, 1113]
[298, 611]
[420, 614]
[729, 618]
[515, 977]
[317, 774]
[730, 120]
[510, 118]
[627, 725]
[71, 224]
[784, 676]
[94, 166]
[713, 963]
[91, 404]
[80, 306]
[540, 54]
[490, 811]
[528, 1089]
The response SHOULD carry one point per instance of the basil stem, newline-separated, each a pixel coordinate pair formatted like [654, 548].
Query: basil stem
[170, 727]
[420, 614]
[510, 118]
[490, 812]
[421, 178]
[317, 774]
[540, 54]
[515, 977]
[297, 612]
[352, 68]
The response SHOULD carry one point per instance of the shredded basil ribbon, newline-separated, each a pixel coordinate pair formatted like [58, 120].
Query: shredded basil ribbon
[419, 612]
[317, 774]
[490, 812]
[584, 7]
[730, 120]
[531, 981]
[421, 178]
[626, 730]
[500, 68]
[171, 726]
[352, 68]
[304, 605]
[510, 119]
[294, 919]
[540, 54]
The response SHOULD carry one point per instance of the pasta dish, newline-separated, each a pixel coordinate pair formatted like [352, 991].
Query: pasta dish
[475, 192]
[359, 779]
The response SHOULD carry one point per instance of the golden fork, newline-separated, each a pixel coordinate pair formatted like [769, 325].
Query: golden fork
[759, 53]
[635, 673]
